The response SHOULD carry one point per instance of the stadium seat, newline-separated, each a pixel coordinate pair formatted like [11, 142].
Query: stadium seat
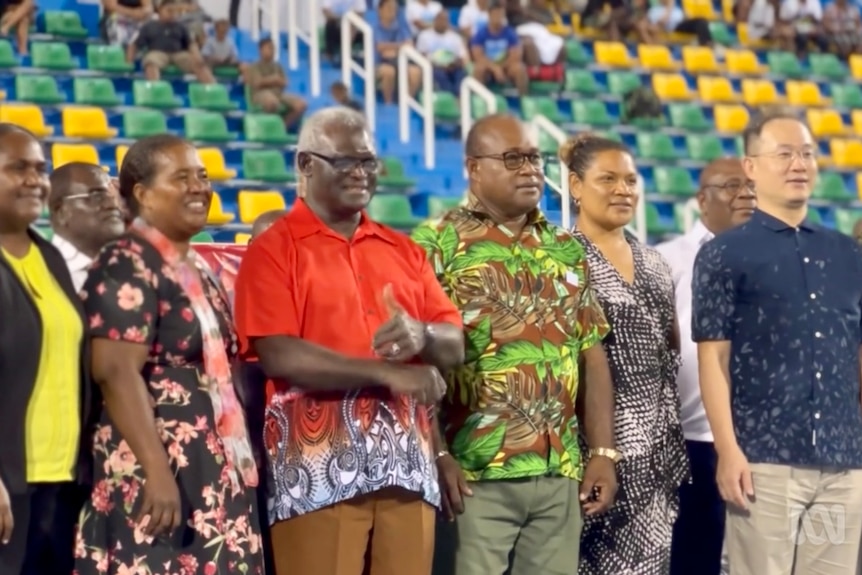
[785, 64]
[655, 225]
[37, 89]
[439, 205]
[203, 237]
[66, 23]
[266, 165]
[143, 122]
[532, 106]
[479, 107]
[214, 97]
[715, 89]
[699, 59]
[548, 144]
[830, 186]
[393, 176]
[856, 121]
[154, 94]
[703, 147]
[742, 34]
[27, 116]
[721, 34]
[846, 95]
[266, 129]
[62, 154]
[393, 210]
[119, 154]
[814, 216]
[699, 9]
[613, 54]
[759, 92]
[730, 118]
[743, 62]
[845, 219]
[242, 239]
[203, 126]
[655, 146]
[447, 108]
[95, 92]
[8, 59]
[581, 81]
[688, 117]
[86, 122]
[252, 203]
[217, 216]
[845, 153]
[827, 66]
[671, 87]
[656, 57]
[108, 58]
[591, 113]
[825, 123]
[52, 56]
[855, 62]
[621, 83]
[674, 181]
[800, 93]
[213, 161]
[859, 186]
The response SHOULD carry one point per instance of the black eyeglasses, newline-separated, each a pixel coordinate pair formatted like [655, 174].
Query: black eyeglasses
[95, 198]
[346, 164]
[732, 187]
[515, 160]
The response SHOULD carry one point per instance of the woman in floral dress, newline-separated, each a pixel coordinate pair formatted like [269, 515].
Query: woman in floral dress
[174, 472]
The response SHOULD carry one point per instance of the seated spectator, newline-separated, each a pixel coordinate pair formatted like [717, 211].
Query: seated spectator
[17, 14]
[473, 16]
[446, 50]
[806, 17]
[843, 25]
[764, 25]
[220, 49]
[166, 41]
[617, 18]
[496, 51]
[333, 11]
[668, 17]
[390, 33]
[540, 45]
[122, 19]
[267, 81]
[190, 14]
[420, 14]
[339, 93]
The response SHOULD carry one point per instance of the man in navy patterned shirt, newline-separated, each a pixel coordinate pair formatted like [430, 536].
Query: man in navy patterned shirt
[777, 316]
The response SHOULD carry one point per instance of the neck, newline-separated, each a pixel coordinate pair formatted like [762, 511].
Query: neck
[514, 224]
[80, 245]
[16, 242]
[711, 228]
[790, 215]
[598, 234]
[342, 225]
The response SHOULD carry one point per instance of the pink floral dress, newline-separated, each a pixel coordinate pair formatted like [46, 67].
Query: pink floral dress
[131, 295]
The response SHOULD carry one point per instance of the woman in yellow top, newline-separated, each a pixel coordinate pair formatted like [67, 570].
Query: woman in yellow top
[45, 406]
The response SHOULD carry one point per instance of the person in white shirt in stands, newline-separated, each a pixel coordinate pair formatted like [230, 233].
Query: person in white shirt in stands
[333, 11]
[725, 199]
[421, 13]
[219, 49]
[446, 50]
[472, 16]
[85, 214]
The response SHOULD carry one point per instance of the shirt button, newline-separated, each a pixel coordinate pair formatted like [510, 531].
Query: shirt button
[805, 260]
[817, 415]
[813, 296]
[817, 375]
[818, 334]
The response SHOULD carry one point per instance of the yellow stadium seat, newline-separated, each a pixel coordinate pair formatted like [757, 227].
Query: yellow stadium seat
[120, 153]
[26, 116]
[743, 62]
[217, 215]
[242, 239]
[730, 118]
[826, 123]
[86, 122]
[859, 185]
[62, 154]
[213, 161]
[846, 153]
[656, 57]
[252, 203]
[727, 10]
[800, 93]
[856, 121]
[856, 66]
[699, 9]
[697, 59]
[759, 92]
[742, 34]
[612, 54]
[671, 87]
[715, 89]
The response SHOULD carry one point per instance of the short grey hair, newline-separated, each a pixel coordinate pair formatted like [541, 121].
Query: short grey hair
[314, 135]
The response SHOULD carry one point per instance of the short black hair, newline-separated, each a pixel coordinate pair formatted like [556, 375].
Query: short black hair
[62, 179]
[139, 165]
[263, 42]
[578, 152]
[759, 121]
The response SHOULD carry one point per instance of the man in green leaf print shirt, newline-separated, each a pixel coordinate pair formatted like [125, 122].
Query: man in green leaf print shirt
[513, 475]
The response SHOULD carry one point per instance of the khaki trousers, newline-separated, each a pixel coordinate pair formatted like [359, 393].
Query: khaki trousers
[803, 521]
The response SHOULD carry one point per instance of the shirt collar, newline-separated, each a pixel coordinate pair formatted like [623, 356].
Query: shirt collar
[75, 259]
[776, 225]
[699, 234]
[305, 222]
[475, 208]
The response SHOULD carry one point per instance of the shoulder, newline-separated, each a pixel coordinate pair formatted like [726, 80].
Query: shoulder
[671, 247]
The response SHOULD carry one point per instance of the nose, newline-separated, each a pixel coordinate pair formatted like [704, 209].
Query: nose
[797, 163]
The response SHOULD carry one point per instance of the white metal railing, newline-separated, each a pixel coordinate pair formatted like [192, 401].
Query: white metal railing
[309, 35]
[350, 22]
[542, 124]
[470, 86]
[267, 9]
[639, 225]
[424, 105]
[690, 214]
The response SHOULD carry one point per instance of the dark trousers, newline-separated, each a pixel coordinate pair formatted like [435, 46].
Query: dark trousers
[43, 540]
[449, 80]
[697, 26]
[698, 534]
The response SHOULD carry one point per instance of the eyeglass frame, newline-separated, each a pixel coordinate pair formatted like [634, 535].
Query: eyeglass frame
[522, 155]
[89, 197]
[774, 155]
[331, 160]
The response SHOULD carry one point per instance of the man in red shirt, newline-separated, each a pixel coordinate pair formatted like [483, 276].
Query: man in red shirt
[351, 326]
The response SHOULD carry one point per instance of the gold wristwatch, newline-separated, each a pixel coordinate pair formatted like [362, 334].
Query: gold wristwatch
[611, 454]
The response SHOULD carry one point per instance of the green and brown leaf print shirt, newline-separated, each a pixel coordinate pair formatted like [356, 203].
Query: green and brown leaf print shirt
[528, 312]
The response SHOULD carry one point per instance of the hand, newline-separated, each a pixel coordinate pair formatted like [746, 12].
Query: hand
[401, 338]
[160, 511]
[7, 522]
[453, 486]
[599, 486]
[422, 382]
[498, 73]
[734, 478]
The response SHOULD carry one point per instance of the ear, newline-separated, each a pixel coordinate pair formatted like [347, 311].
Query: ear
[303, 164]
[748, 167]
[472, 166]
[576, 186]
[701, 201]
[141, 196]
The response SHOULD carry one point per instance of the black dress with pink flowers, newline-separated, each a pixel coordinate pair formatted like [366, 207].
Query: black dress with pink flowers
[131, 295]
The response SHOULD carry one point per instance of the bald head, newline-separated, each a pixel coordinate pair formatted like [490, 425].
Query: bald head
[719, 167]
[264, 221]
[487, 130]
[66, 179]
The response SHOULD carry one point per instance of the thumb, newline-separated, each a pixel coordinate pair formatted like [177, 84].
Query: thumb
[392, 305]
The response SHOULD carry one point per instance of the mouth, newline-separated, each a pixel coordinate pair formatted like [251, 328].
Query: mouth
[112, 215]
[198, 206]
[534, 187]
[622, 206]
[798, 181]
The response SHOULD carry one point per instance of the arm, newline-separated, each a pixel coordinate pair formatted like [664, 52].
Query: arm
[141, 42]
[713, 360]
[444, 349]
[19, 13]
[277, 80]
[598, 398]
[515, 55]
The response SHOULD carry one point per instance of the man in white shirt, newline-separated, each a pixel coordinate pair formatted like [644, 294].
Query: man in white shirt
[446, 50]
[473, 15]
[85, 215]
[421, 13]
[725, 200]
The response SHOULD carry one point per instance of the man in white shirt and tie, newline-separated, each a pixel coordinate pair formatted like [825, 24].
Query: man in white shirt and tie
[85, 215]
[725, 200]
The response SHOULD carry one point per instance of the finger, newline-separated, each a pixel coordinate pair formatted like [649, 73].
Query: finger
[145, 512]
[747, 483]
[447, 507]
[464, 487]
[177, 520]
[454, 493]
[388, 332]
[392, 305]
[586, 489]
[734, 493]
[7, 523]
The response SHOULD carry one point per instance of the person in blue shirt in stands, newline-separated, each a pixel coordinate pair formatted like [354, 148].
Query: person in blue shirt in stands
[390, 33]
[497, 53]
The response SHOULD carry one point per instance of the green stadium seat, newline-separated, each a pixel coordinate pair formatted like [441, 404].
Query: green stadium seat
[37, 89]
[611, 135]
[674, 181]
[480, 108]
[655, 146]
[576, 54]
[203, 237]
[814, 216]
[95, 92]
[65, 23]
[784, 64]
[266, 129]
[704, 147]
[654, 223]
[827, 66]
[830, 186]
[394, 176]
[393, 210]
[548, 144]
[845, 219]
[581, 81]
[203, 126]
[213, 97]
[155, 94]
[226, 72]
[46, 232]
[532, 106]
[52, 56]
[621, 83]
[7, 54]
[144, 122]
[267, 165]
[591, 113]
[108, 58]
[439, 205]
[721, 34]
[689, 117]
[553, 171]
[446, 107]
[846, 95]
